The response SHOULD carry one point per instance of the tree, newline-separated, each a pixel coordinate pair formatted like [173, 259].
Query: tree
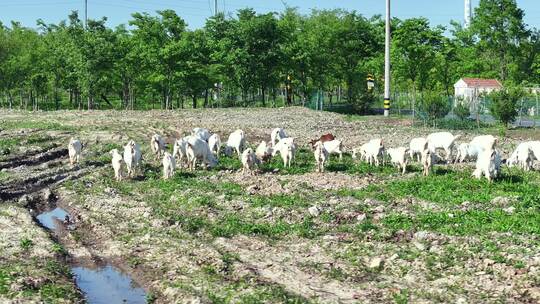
[504, 104]
[499, 27]
[415, 50]
[435, 106]
[354, 45]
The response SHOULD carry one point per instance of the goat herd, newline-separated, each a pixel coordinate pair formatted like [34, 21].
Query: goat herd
[205, 147]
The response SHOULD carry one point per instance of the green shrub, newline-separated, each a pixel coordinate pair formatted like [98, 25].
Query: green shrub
[504, 105]
[435, 105]
[462, 111]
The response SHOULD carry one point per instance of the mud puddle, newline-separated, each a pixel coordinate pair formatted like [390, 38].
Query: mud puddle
[99, 281]
[52, 219]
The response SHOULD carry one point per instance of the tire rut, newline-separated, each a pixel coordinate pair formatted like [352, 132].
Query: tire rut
[49, 177]
[34, 158]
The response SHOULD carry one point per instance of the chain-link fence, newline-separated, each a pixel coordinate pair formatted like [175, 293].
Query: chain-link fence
[410, 105]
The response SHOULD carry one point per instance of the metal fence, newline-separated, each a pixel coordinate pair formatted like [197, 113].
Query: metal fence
[406, 104]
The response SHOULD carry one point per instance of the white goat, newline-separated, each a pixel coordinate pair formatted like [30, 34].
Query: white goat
[373, 150]
[132, 157]
[442, 140]
[179, 149]
[74, 150]
[157, 144]
[263, 151]
[249, 161]
[169, 164]
[484, 142]
[462, 153]
[198, 149]
[398, 157]
[286, 148]
[236, 141]
[201, 133]
[214, 142]
[277, 135]
[428, 159]
[117, 161]
[522, 156]
[488, 164]
[476, 146]
[321, 155]
[535, 148]
[334, 147]
[362, 151]
[416, 147]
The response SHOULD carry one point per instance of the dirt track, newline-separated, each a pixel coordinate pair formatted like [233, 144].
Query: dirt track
[221, 236]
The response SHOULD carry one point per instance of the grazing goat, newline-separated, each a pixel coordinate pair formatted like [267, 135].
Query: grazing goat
[198, 149]
[117, 164]
[74, 150]
[263, 151]
[236, 141]
[321, 155]
[334, 147]
[249, 161]
[484, 142]
[373, 150]
[286, 149]
[277, 135]
[428, 159]
[157, 144]
[462, 153]
[362, 151]
[475, 147]
[214, 142]
[442, 140]
[169, 164]
[535, 148]
[132, 157]
[488, 164]
[201, 133]
[398, 157]
[179, 149]
[416, 147]
[522, 156]
[323, 138]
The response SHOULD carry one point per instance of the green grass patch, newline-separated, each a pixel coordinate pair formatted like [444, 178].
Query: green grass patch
[8, 144]
[40, 125]
[36, 139]
[4, 175]
[449, 187]
[473, 222]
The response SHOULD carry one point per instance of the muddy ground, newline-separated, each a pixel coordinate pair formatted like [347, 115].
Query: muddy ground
[355, 234]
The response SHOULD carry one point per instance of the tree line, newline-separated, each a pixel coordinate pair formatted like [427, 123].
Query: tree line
[256, 59]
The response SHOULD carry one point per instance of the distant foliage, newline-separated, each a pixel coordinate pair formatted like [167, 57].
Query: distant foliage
[462, 111]
[435, 106]
[505, 105]
[255, 59]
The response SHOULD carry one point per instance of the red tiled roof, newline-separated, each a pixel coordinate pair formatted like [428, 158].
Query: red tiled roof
[480, 82]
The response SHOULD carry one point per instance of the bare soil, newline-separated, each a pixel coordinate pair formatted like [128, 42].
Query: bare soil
[221, 236]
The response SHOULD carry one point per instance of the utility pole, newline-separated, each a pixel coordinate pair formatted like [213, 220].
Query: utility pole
[85, 13]
[468, 14]
[215, 7]
[387, 62]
